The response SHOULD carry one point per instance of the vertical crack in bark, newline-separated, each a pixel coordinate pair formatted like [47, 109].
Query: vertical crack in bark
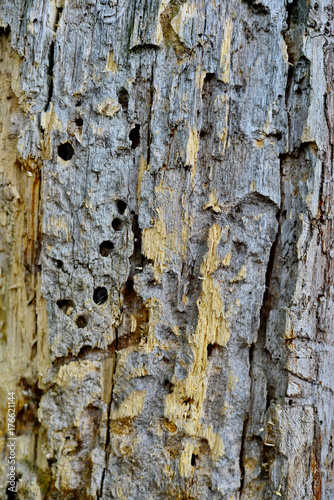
[52, 58]
[107, 443]
[36, 263]
[291, 62]
[329, 120]
[259, 354]
[267, 299]
[37, 269]
[297, 95]
[242, 455]
[149, 137]
[263, 362]
[243, 452]
[137, 261]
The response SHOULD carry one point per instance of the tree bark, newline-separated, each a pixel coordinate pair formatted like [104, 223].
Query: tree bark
[166, 248]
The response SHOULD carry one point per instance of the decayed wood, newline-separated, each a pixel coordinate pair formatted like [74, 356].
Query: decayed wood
[166, 189]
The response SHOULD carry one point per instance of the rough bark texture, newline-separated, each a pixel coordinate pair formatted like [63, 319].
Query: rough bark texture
[166, 248]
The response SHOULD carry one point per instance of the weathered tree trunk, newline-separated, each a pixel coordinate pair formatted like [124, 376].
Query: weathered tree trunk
[166, 189]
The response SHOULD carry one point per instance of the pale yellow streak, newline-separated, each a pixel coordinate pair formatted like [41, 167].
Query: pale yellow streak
[184, 406]
[225, 54]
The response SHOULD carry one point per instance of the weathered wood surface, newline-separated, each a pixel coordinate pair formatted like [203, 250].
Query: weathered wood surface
[167, 248]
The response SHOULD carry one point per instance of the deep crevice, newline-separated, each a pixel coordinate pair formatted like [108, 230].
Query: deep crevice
[137, 259]
[260, 355]
[107, 443]
[149, 138]
[133, 306]
[267, 299]
[244, 436]
[51, 61]
[208, 95]
[242, 455]
[50, 74]
[134, 136]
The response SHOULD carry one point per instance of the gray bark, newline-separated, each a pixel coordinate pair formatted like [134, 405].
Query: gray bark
[166, 248]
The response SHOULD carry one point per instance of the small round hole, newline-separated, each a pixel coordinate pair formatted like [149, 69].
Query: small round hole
[100, 295]
[65, 151]
[81, 321]
[117, 224]
[79, 122]
[59, 264]
[121, 206]
[78, 104]
[106, 247]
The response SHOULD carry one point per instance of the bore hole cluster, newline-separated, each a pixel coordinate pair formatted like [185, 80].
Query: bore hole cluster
[117, 223]
[107, 246]
[67, 307]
